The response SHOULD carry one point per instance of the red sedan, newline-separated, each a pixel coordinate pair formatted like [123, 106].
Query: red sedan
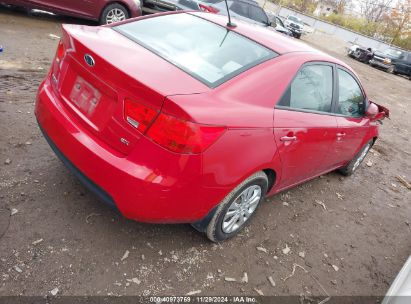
[104, 11]
[178, 118]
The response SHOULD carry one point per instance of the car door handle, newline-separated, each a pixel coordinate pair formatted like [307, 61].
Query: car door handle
[288, 138]
[340, 134]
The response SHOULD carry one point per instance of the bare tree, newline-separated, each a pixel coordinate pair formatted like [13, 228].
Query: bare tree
[374, 10]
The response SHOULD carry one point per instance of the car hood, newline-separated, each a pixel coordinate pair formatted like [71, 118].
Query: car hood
[381, 54]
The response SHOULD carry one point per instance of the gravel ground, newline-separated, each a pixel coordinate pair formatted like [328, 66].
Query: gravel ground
[56, 237]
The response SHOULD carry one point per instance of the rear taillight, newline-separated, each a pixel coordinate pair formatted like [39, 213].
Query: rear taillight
[138, 115]
[208, 9]
[61, 51]
[182, 136]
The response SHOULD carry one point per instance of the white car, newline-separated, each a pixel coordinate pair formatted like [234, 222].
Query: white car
[400, 290]
[352, 49]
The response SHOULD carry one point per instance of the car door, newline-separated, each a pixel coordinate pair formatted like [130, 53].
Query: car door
[404, 64]
[351, 121]
[304, 127]
[80, 7]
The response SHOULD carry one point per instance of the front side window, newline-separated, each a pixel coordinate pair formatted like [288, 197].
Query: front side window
[206, 51]
[311, 89]
[350, 97]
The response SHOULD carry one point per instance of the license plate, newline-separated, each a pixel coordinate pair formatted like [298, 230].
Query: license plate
[85, 96]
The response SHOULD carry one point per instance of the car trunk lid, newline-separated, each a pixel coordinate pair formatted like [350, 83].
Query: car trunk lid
[100, 69]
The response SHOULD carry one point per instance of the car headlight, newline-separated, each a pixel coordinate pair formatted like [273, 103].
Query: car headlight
[387, 60]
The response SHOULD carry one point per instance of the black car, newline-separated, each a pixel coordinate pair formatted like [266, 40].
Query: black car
[247, 10]
[157, 6]
[393, 61]
[362, 54]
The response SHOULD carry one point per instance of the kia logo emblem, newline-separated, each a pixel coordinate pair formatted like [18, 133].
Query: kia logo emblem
[89, 60]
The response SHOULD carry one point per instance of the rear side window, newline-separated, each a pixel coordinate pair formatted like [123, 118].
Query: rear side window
[257, 14]
[203, 49]
[350, 97]
[311, 89]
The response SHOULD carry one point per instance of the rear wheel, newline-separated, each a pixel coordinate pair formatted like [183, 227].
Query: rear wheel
[114, 13]
[357, 160]
[237, 208]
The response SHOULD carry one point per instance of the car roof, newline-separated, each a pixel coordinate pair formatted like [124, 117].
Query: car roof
[271, 39]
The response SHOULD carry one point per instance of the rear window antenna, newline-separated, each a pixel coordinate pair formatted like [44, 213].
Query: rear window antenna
[229, 24]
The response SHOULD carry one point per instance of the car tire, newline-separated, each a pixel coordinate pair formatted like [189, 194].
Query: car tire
[350, 168]
[114, 13]
[224, 226]
[391, 70]
[298, 36]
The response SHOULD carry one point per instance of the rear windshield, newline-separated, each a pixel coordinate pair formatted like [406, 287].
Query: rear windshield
[205, 50]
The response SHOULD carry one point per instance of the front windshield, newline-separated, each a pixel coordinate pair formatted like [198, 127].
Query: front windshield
[393, 53]
[294, 19]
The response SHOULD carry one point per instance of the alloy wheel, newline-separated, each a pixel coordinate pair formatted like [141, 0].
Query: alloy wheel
[241, 209]
[115, 15]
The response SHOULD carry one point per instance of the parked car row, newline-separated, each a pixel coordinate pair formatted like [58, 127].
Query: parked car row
[391, 60]
[103, 11]
[107, 11]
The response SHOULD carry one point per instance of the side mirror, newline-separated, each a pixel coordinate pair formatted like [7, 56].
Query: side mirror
[376, 112]
[372, 110]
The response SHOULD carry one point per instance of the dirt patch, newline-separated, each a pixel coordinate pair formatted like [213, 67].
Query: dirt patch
[63, 237]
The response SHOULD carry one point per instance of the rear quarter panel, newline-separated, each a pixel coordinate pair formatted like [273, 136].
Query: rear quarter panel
[245, 104]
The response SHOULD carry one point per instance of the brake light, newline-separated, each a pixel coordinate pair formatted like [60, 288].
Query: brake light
[61, 51]
[208, 9]
[138, 115]
[183, 136]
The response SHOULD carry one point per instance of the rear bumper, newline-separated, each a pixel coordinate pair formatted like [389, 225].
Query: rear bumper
[89, 184]
[149, 185]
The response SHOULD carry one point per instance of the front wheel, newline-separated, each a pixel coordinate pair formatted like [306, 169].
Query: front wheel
[391, 70]
[114, 13]
[357, 160]
[236, 209]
